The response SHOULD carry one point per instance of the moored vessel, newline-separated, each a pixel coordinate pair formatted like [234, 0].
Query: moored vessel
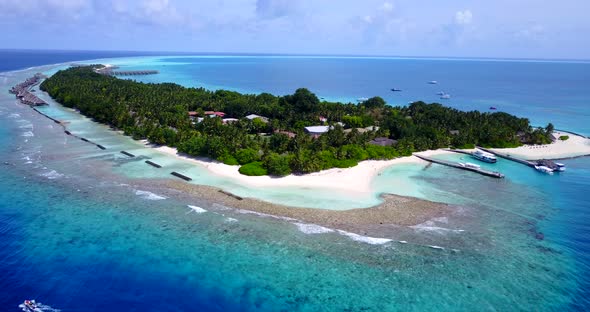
[484, 156]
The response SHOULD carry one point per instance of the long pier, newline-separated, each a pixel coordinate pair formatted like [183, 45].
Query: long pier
[23, 91]
[455, 165]
[109, 72]
[508, 157]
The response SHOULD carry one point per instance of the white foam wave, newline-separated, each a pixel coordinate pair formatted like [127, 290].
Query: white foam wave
[149, 195]
[52, 175]
[312, 228]
[365, 239]
[430, 226]
[14, 115]
[230, 220]
[260, 214]
[196, 209]
[28, 134]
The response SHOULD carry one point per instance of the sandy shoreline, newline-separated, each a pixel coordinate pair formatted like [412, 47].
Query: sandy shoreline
[575, 146]
[357, 179]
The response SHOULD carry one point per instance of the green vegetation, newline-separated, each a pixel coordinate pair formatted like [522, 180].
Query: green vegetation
[278, 146]
[253, 169]
[564, 137]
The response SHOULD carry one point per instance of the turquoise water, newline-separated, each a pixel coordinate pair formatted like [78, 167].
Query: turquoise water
[543, 91]
[78, 224]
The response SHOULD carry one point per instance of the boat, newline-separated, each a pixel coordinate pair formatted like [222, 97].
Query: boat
[363, 99]
[433, 82]
[469, 165]
[544, 169]
[445, 96]
[30, 306]
[396, 90]
[492, 108]
[560, 167]
[440, 93]
[484, 156]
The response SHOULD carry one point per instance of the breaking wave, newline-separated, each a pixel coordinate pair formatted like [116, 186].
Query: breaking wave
[365, 239]
[149, 195]
[196, 209]
[312, 228]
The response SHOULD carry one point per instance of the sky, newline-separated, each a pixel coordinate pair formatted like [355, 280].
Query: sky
[456, 28]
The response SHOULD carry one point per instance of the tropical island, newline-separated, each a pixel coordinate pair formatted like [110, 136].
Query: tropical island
[280, 135]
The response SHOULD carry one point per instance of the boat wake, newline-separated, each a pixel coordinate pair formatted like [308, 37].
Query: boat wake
[39, 307]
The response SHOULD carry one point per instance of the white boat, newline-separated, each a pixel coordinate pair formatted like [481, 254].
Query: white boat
[440, 93]
[484, 156]
[433, 82]
[469, 165]
[544, 169]
[30, 306]
[445, 96]
[560, 167]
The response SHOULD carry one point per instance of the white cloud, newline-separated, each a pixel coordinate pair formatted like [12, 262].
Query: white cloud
[463, 17]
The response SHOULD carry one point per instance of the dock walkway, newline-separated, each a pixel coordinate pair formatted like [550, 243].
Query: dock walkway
[484, 172]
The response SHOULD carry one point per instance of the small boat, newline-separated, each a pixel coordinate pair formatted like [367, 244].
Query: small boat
[469, 165]
[396, 90]
[445, 96]
[30, 306]
[433, 82]
[492, 108]
[440, 93]
[363, 99]
[560, 167]
[544, 169]
[484, 156]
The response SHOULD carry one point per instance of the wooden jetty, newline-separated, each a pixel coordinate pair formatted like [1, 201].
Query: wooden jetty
[484, 172]
[182, 176]
[110, 72]
[153, 164]
[508, 157]
[231, 195]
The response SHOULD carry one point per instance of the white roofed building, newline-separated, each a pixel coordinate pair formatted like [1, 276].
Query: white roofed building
[254, 116]
[317, 129]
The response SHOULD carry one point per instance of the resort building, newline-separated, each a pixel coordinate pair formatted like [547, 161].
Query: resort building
[229, 120]
[317, 130]
[254, 116]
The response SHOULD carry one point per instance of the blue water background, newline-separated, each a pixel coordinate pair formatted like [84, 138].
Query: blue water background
[111, 251]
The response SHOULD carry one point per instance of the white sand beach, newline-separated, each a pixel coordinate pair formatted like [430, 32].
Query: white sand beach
[573, 147]
[356, 179]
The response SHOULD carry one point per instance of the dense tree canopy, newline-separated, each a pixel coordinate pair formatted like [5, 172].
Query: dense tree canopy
[278, 146]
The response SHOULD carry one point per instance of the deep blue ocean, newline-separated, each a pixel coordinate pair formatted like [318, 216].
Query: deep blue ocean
[77, 235]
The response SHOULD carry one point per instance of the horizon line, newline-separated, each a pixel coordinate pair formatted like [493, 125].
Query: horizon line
[171, 53]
